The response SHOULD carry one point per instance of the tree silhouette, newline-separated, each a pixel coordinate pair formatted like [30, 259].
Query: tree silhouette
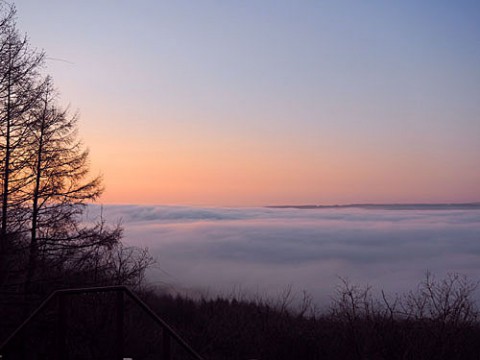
[59, 187]
[46, 185]
[19, 91]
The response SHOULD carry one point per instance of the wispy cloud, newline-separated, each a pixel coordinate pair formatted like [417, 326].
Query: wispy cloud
[264, 250]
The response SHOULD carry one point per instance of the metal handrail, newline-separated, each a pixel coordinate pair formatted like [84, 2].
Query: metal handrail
[102, 289]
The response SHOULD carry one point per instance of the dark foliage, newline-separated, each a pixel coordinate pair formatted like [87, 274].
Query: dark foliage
[437, 321]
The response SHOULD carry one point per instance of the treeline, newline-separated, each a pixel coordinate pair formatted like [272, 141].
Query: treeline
[45, 242]
[438, 320]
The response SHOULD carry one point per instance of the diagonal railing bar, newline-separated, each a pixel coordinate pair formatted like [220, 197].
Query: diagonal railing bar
[27, 320]
[162, 323]
[167, 330]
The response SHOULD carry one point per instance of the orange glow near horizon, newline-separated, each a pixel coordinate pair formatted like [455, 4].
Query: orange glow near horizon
[251, 175]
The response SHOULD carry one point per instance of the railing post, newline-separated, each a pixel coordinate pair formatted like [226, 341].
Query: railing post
[61, 327]
[120, 320]
[166, 345]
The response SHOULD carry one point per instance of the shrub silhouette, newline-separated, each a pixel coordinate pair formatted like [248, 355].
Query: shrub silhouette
[437, 320]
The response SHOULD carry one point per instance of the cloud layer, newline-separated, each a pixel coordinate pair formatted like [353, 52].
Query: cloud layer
[265, 250]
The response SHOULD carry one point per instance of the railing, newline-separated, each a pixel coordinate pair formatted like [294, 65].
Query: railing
[168, 334]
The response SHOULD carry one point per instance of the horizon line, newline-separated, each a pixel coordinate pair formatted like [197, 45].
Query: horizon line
[471, 204]
[462, 205]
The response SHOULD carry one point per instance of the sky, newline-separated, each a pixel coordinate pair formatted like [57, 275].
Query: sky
[250, 103]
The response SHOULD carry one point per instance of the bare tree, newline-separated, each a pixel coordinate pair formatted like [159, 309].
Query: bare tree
[19, 91]
[61, 186]
[45, 183]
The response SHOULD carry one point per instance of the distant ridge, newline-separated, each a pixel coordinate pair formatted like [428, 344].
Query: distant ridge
[454, 206]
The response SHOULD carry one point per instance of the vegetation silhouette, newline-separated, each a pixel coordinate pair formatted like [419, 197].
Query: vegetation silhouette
[46, 243]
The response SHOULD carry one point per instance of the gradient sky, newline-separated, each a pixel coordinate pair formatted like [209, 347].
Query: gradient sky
[270, 102]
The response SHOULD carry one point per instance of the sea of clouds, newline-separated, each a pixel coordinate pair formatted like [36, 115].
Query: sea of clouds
[263, 251]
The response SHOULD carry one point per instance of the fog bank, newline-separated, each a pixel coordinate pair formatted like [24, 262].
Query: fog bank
[264, 250]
